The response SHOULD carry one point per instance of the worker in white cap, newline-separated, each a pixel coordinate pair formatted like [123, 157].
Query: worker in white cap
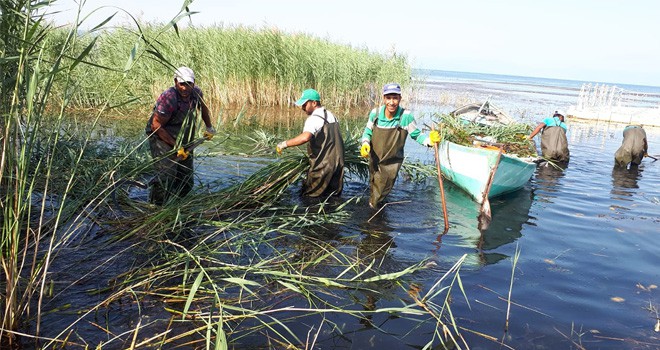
[172, 125]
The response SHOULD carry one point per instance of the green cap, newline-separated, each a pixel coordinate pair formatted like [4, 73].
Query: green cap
[308, 95]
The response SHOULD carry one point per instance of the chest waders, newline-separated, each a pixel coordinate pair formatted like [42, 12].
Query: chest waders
[173, 177]
[385, 160]
[554, 145]
[326, 161]
[632, 148]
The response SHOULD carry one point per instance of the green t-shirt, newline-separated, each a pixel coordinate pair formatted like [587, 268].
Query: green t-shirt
[402, 118]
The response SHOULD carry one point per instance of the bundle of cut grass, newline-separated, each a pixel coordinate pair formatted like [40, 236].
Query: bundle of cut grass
[512, 138]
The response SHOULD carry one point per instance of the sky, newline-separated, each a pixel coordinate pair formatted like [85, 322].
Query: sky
[608, 41]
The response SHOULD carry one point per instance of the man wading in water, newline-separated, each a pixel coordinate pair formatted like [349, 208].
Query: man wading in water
[383, 140]
[172, 126]
[633, 147]
[554, 145]
[325, 147]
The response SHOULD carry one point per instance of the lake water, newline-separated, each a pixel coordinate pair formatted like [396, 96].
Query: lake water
[589, 260]
[587, 236]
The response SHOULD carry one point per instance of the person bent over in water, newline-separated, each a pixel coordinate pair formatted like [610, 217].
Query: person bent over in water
[554, 145]
[633, 148]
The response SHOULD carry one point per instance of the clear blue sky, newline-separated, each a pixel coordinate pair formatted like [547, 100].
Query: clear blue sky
[593, 40]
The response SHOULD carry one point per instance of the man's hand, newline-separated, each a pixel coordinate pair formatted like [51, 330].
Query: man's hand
[209, 133]
[434, 136]
[365, 150]
[280, 146]
[182, 153]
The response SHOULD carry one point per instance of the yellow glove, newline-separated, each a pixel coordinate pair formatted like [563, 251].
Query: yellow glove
[209, 133]
[365, 150]
[434, 136]
[280, 146]
[182, 153]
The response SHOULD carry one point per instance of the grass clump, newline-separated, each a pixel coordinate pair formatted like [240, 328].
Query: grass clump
[512, 138]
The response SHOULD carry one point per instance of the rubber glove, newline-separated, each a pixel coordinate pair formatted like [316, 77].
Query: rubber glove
[209, 133]
[365, 150]
[434, 136]
[182, 153]
[280, 146]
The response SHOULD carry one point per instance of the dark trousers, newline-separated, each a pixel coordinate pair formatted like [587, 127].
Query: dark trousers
[174, 177]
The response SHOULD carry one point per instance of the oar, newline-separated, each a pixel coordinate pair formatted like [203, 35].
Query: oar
[485, 215]
[442, 188]
[652, 157]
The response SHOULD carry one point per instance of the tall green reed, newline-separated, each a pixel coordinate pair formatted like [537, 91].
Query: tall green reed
[236, 66]
[51, 173]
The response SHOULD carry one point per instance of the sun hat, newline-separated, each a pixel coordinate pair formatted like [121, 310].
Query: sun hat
[184, 74]
[392, 88]
[308, 95]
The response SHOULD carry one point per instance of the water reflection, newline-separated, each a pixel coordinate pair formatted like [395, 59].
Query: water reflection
[547, 177]
[624, 181]
[510, 214]
[374, 245]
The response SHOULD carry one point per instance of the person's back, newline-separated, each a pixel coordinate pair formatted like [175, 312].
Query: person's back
[633, 147]
[554, 144]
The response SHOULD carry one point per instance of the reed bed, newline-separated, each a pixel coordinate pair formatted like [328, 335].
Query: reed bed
[235, 66]
[211, 270]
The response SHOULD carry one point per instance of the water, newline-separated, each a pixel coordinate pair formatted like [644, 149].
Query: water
[587, 238]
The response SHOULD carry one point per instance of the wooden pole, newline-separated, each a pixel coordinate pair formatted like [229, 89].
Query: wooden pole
[442, 188]
[485, 215]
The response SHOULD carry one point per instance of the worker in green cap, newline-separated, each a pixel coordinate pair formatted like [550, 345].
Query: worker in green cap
[383, 140]
[325, 147]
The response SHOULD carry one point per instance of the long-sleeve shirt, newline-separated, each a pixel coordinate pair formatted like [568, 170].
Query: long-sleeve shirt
[402, 118]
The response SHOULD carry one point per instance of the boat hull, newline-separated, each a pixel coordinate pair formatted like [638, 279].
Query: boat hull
[469, 168]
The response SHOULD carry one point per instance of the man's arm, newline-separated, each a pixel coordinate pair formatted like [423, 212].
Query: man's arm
[157, 125]
[537, 130]
[303, 138]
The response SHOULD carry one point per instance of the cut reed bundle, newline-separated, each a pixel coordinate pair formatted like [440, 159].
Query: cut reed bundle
[512, 137]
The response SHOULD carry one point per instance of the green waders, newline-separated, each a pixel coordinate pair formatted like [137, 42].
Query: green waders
[385, 160]
[632, 148]
[554, 145]
[326, 161]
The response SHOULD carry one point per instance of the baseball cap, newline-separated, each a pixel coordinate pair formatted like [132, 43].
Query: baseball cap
[392, 88]
[308, 95]
[184, 74]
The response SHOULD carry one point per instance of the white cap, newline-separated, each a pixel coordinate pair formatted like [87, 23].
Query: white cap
[184, 74]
